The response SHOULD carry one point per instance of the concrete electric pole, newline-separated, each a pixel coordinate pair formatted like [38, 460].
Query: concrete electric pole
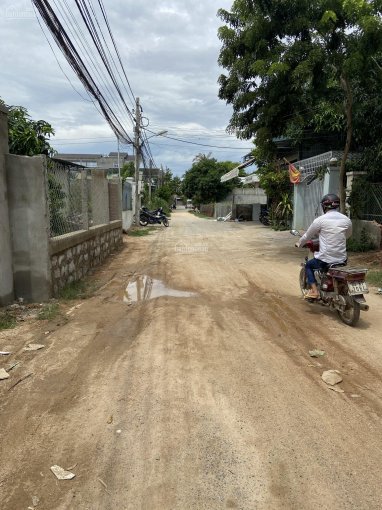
[137, 158]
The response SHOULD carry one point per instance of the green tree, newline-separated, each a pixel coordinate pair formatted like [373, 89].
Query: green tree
[127, 170]
[202, 183]
[28, 137]
[297, 64]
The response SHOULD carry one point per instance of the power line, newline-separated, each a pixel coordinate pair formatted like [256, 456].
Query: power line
[203, 144]
[115, 46]
[78, 65]
[58, 62]
[78, 35]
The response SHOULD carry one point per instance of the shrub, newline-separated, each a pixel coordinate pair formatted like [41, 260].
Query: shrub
[7, 321]
[365, 243]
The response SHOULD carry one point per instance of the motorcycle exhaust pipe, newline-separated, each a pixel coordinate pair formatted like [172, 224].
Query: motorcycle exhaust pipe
[362, 303]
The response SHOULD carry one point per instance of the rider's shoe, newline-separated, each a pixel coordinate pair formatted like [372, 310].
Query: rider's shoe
[311, 295]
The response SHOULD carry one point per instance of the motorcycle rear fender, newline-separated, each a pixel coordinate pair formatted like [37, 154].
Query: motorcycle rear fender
[361, 301]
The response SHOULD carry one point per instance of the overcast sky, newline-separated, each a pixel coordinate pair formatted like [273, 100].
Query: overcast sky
[169, 51]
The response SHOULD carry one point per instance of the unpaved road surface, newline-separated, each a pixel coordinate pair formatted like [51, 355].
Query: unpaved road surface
[204, 397]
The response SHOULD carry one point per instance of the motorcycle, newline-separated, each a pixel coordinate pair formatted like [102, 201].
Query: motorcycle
[147, 217]
[264, 217]
[341, 288]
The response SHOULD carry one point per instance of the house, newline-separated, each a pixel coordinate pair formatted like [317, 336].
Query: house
[311, 145]
[98, 161]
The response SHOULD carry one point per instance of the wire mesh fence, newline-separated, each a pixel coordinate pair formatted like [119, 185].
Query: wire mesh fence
[67, 196]
[372, 206]
[80, 198]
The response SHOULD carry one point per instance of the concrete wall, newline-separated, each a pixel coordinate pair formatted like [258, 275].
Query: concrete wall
[29, 225]
[241, 196]
[249, 196]
[6, 272]
[373, 228]
[33, 266]
[127, 220]
[73, 255]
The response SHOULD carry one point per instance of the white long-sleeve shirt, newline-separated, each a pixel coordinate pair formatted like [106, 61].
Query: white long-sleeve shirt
[332, 230]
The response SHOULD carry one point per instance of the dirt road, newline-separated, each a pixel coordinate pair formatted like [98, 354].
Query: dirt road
[202, 398]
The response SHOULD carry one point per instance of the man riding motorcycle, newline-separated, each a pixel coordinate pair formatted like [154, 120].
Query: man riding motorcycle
[332, 229]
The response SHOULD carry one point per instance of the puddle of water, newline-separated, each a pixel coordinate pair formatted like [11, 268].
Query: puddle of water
[144, 287]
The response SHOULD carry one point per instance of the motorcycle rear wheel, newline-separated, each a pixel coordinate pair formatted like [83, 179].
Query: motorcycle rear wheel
[165, 222]
[350, 316]
[303, 281]
[143, 222]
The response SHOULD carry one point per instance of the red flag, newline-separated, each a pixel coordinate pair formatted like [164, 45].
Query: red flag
[294, 174]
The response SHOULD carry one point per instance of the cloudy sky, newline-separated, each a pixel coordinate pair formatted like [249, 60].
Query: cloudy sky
[169, 49]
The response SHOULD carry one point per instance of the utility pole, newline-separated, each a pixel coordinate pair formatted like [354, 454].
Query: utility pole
[119, 164]
[137, 157]
[150, 182]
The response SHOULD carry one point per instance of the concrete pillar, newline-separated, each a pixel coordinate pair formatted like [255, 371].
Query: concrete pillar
[115, 199]
[84, 200]
[29, 223]
[256, 209]
[6, 270]
[332, 181]
[100, 197]
[298, 206]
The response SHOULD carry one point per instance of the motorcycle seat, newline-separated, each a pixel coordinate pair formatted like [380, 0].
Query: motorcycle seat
[338, 264]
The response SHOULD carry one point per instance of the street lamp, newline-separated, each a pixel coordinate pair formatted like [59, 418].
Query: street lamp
[161, 133]
[137, 160]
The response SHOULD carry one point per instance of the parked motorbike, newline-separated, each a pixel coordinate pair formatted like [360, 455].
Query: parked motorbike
[264, 217]
[147, 217]
[341, 288]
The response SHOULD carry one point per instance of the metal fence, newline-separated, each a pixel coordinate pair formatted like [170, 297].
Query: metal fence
[372, 207]
[80, 198]
[65, 195]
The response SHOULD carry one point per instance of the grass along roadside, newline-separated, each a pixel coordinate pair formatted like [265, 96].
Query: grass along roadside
[201, 215]
[82, 289]
[49, 311]
[374, 277]
[7, 321]
[139, 232]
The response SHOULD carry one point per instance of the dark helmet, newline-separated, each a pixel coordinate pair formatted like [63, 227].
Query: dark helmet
[330, 201]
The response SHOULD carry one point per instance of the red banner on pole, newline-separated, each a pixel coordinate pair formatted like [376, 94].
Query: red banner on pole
[294, 174]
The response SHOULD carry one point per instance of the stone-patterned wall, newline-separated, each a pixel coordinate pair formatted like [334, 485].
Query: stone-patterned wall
[81, 252]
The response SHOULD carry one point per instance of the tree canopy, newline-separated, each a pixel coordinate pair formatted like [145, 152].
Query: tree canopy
[28, 137]
[298, 65]
[202, 183]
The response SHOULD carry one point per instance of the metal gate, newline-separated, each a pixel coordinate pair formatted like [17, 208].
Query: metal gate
[312, 201]
[318, 175]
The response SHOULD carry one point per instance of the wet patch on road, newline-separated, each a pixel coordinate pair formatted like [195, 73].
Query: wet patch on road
[143, 288]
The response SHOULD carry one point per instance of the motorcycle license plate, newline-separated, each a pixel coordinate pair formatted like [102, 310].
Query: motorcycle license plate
[357, 288]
